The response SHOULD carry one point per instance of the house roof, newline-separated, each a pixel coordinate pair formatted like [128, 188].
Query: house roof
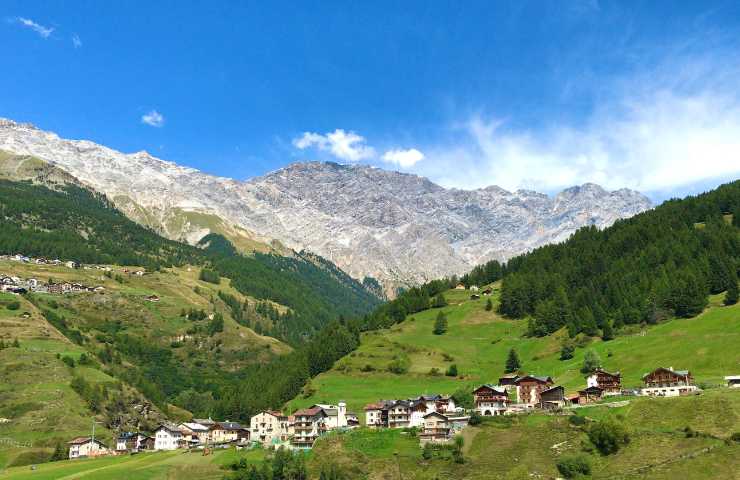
[495, 388]
[591, 390]
[84, 440]
[204, 421]
[556, 387]
[196, 427]
[169, 427]
[601, 370]
[680, 373]
[436, 414]
[231, 426]
[540, 379]
[308, 412]
[127, 435]
[375, 406]
[732, 377]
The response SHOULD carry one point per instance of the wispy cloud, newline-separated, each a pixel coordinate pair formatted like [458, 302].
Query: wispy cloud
[660, 132]
[43, 31]
[76, 40]
[347, 146]
[403, 158]
[153, 118]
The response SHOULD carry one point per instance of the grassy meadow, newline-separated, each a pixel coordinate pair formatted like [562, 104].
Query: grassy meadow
[478, 341]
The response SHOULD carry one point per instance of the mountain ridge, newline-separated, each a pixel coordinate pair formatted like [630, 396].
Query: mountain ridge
[399, 228]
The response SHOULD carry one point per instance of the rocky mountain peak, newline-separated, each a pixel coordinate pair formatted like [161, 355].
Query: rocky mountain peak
[399, 228]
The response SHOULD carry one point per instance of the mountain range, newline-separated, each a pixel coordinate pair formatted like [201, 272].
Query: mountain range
[397, 228]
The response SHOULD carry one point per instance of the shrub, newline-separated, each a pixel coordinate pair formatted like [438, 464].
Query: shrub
[210, 276]
[567, 350]
[463, 398]
[13, 305]
[577, 420]
[367, 368]
[452, 371]
[399, 365]
[608, 436]
[69, 361]
[475, 419]
[427, 452]
[735, 437]
[434, 372]
[574, 465]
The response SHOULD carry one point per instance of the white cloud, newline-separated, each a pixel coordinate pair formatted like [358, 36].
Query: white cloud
[76, 40]
[403, 158]
[43, 31]
[153, 118]
[347, 146]
[661, 133]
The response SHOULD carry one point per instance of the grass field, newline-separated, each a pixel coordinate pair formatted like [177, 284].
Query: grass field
[478, 341]
[146, 466]
[37, 404]
[529, 446]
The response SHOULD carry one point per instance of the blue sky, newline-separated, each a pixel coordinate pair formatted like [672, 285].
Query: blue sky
[537, 95]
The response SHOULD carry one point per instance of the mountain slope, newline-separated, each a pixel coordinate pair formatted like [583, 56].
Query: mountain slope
[400, 229]
[72, 222]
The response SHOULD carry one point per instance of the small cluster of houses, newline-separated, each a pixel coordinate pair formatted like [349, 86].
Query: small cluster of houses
[17, 285]
[436, 416]
[475, 291]
[39, 261]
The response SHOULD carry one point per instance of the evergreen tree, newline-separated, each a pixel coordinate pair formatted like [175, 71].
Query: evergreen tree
[439, 301]
[607, 332]
[489, 305]
[440, 324]
[60, 453]
[512, 362]
[731, 297]
[452, 371]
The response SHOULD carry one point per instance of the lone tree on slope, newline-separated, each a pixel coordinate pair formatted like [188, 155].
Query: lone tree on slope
[512, 362]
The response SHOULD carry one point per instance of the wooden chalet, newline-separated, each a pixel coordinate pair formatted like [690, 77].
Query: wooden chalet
[553, 397]
[490, 400]
[529, 387]
[609, 383]
[589, 395]
[667, 382]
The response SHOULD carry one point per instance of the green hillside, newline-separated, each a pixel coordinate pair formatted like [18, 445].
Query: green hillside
[478, 341]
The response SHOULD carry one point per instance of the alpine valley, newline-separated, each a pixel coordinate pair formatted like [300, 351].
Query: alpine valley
[398, 229]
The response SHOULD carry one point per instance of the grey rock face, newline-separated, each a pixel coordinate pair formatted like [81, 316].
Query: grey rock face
[399, 228]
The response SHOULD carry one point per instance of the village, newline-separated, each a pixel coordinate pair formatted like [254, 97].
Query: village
[433, 418]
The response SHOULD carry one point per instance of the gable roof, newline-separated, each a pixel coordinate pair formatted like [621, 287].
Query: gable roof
[680, 373]
[231, 426]
[309, 412]
[169, 427]
[84, 440]
[196, 427]
[436, 414]
[487, 386]
[551, 389]
[540, 379]
[375, 406]
[601, 370]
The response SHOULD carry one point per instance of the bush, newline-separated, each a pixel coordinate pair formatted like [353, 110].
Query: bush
[577, 420]
[463, 398]
[13, 305]
[567, 350]
[427, 452]
[30, 458]
[434, 372]
[69, 361]
[452, 371]
[572, 466]
[367, 368]
[735, 437]
[475, 419]
[608, 436]
[399, 365]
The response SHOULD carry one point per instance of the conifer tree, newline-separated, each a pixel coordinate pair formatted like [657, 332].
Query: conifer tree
[607, 332]
[731, 297]
[440, 324]
[489, 305]
[512, 362]
[439, 301]
[60, 453]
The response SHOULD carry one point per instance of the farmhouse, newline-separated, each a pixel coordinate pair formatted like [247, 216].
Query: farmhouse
[553, 397]
[336, 415]
[226, 432]
[490, 400]
[529, 387]
[733, 381]
[82, 447]
[667, 382]
[436, 429]
[308, 426]
[168, 437]
[132, 442]
[194, 433]
[376, 414]
[269, 427]
[609, 383]
[589, 394]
